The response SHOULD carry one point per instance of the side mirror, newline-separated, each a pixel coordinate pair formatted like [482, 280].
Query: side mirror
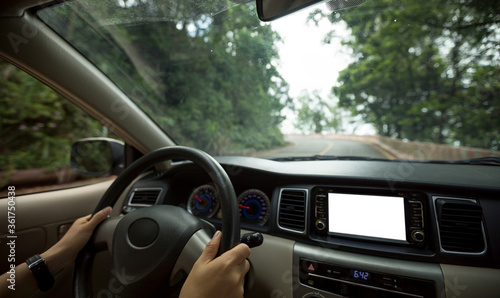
[97, 156]
[269, 10]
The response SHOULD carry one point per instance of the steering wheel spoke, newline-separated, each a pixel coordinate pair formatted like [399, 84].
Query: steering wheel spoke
[188, 256]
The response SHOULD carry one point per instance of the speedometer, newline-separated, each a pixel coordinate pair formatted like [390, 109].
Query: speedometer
[203, 201]
[254, 206]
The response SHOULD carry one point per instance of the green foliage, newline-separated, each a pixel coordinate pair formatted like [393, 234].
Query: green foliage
[38, 125]
[424, 71]
[316, 115]
[208, 80]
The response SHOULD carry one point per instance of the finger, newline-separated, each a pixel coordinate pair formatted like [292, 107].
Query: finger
[210, 251]
[244, 266]
[99, 217]
[243, 272]
[237, 254]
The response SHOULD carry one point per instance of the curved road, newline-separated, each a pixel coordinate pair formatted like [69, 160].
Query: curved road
[316, 145]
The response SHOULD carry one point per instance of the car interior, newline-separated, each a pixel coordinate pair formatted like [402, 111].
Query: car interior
[317, 226]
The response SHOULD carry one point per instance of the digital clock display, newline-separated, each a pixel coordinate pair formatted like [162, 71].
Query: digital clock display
[358, 274]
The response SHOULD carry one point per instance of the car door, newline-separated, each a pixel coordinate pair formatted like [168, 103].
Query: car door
[39, 220]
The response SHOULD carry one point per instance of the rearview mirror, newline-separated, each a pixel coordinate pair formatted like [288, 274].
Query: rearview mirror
[269, 10]
[97, 156]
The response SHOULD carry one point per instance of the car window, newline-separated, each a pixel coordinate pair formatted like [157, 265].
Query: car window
[38, 126]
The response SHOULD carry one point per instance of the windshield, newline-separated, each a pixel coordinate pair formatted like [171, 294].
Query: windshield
[382, 80]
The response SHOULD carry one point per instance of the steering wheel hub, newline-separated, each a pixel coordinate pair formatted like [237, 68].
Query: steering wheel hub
[143, 232]
[159, 232]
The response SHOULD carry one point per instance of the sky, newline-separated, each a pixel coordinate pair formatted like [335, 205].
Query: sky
[307, 63]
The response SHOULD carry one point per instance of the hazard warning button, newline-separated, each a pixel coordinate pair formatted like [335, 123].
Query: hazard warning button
[311, 267]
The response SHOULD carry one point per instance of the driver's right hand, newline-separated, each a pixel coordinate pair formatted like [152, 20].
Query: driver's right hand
[218, 277]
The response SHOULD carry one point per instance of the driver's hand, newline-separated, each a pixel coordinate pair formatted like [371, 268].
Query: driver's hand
[218, 277]
[64, 252]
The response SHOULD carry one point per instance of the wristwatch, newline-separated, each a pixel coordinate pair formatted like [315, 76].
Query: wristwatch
[41, 273]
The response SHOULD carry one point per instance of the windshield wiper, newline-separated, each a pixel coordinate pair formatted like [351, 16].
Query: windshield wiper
[326, 157]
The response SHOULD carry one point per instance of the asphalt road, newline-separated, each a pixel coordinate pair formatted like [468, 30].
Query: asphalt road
[314, 145]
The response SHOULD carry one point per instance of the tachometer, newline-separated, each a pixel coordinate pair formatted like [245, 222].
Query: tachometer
[204, 201]
[254, 206]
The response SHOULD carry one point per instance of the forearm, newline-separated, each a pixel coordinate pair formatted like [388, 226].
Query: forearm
[23, 283]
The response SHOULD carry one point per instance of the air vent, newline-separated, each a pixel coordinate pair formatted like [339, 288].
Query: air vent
[145, 196]
[292, 210]
[460, 226]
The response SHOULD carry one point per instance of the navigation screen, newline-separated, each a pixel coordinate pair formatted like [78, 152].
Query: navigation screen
[365, 215]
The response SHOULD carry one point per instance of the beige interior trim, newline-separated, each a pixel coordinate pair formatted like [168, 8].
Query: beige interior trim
[272, 268]
[39, 209]
[465, 281]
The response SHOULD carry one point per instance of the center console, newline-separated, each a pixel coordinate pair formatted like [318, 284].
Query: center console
[398, 221]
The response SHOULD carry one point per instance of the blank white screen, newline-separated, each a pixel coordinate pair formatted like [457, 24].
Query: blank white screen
[372, 216]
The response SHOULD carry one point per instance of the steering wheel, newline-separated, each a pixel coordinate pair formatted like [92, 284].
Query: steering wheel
[155, 246]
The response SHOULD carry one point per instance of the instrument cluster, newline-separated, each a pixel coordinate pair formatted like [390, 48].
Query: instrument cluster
[254, 204]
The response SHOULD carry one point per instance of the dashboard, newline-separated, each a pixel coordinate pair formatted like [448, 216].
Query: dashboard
[359, 228]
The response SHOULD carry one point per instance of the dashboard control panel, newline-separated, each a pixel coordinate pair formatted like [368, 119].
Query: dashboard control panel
[359, 282]
[398, 218]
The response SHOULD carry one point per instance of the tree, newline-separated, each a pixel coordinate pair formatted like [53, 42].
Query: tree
[37, 125]
[416, 66]
[316, 115]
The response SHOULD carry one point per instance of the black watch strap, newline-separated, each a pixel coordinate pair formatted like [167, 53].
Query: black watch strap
[40, 271]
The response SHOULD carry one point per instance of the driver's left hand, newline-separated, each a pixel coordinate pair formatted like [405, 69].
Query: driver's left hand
[64, 252]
